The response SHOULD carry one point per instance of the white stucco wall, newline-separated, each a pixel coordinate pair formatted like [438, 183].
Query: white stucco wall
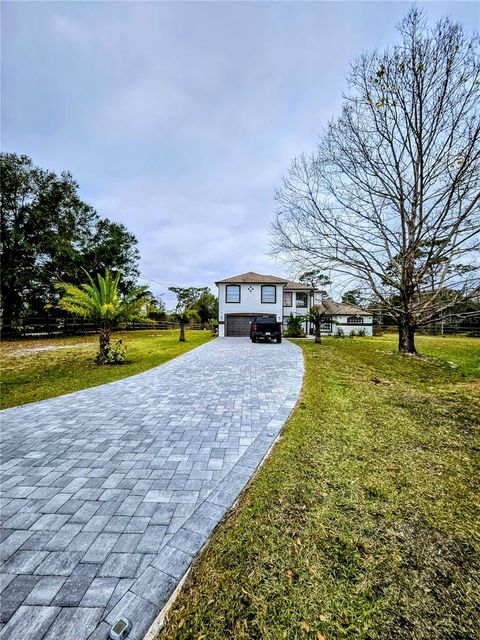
[347, 328]
[250, 303]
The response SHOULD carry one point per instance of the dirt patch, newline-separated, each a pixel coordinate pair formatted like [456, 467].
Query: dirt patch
[31, 350]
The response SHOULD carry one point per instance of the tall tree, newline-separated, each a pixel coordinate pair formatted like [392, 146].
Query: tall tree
[112, 246]
[354, 296]
[317, 280]
[206, 306]
[48, 234]
[185, 311]
[391, 196]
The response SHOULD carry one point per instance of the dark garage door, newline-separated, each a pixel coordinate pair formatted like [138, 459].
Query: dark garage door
[239, 325]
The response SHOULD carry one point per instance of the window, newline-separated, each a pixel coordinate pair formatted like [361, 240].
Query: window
[269, 293]
[232, 293]
[301, 299]
[354, 320]
[326, 324]
[287, 298]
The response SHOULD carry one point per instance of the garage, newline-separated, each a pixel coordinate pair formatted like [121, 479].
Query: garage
[238, 326]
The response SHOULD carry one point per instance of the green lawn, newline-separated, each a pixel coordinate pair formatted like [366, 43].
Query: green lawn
[29, 375]
[364, 522]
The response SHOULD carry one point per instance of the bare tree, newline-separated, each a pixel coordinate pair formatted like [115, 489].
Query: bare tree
[392, 194]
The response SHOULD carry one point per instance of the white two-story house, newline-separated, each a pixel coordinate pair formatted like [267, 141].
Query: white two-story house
[242, 298]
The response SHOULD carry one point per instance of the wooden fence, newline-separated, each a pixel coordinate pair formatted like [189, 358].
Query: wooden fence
[33, 327]
[436, 329]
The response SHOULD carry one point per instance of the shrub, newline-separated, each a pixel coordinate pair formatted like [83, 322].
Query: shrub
[213, 322]
[340, 333]
[362, 333]
[115, 353]
[294, 326]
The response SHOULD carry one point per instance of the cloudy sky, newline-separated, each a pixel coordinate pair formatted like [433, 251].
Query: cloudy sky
[178, 119]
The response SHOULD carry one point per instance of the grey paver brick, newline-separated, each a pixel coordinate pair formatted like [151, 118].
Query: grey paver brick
[187, 541]
[100, 549]
[64, 537]
[152, 540]
[117, 524]
[28, 618]
[50, 522]
[22, 520]
[15, 594]
[137, 609]
[121, 589]
[127, 542]
[172, 561]
[99, 592]
[59, 563]
[200, 524]
[82, 541]
[86, 511]
[155, 586]
[45, 590]
[120, 565]
[101, 632]
[24, 561]
[38, 540]
[96, 523]
[5, 580]
[120, 501]
[75, 586]
[13, 542]
[137, 524]
[77, 622]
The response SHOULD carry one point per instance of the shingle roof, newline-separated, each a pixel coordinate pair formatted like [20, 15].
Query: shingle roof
[297, 285]
[253, 278]
[341, 309]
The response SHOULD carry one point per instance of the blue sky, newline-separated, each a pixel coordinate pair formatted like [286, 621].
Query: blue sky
[179, 119]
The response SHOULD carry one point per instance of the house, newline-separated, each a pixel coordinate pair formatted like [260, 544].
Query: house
[244, 297]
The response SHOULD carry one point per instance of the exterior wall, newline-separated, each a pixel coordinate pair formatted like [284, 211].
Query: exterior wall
[297, 311]
[250, 303]
[340, 322]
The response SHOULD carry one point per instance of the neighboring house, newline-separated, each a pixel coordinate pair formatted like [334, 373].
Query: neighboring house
[242, 298]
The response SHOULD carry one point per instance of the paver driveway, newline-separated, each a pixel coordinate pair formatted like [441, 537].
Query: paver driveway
[107, 494]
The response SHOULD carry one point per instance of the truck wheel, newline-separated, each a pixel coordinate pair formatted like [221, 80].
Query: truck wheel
[279, 340]
[254, 339]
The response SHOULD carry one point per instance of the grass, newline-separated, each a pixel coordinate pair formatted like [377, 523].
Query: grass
[29, 375]
[364, 521]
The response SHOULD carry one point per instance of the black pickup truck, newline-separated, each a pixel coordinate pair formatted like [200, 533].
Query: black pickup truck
[265, 328]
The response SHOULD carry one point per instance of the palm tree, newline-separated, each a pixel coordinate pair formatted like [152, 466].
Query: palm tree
[184, 311]
[101, 301]
[315, 316]
[185, 317]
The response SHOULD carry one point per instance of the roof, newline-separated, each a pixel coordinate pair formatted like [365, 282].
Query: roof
[297, 285]
[253, 278]
[341, 309]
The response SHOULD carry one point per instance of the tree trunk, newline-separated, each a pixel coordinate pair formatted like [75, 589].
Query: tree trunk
[104, 343]
[318, 337]
[406, 335]
[10, 309]
[182, 332]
